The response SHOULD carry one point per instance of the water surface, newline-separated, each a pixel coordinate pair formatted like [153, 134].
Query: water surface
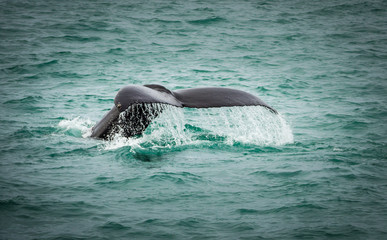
[317, 170]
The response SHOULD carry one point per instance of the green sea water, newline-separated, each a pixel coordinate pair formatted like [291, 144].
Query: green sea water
[318, 170]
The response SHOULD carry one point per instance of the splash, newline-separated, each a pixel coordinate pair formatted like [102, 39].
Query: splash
[248, 125]
[76, 127]
[176, 127]
[166, 131]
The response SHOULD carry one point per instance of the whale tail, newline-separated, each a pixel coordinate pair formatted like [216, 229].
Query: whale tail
[135, 107]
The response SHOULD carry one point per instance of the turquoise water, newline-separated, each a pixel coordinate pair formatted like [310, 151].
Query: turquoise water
[316, 171]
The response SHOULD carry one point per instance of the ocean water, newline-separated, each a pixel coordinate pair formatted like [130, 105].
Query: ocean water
[318, 170]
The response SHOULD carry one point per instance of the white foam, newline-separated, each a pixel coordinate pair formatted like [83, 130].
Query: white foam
[77, 123]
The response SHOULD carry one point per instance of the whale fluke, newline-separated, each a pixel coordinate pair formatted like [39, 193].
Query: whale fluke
[136, 106]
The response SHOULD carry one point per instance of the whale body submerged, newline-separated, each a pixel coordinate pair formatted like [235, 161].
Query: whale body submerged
[136, 106]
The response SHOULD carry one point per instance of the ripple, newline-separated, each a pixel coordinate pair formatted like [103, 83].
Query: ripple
[72, 38]
[113, 226]
[281, 174]
[207, 21]
[116, 184]
[25, 100]
[178, 178]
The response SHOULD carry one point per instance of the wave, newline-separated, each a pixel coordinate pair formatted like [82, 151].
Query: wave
[207, 21]
[77, 127]
[72, 38]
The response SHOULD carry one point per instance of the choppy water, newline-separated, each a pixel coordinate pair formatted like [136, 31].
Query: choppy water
[318, 170]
